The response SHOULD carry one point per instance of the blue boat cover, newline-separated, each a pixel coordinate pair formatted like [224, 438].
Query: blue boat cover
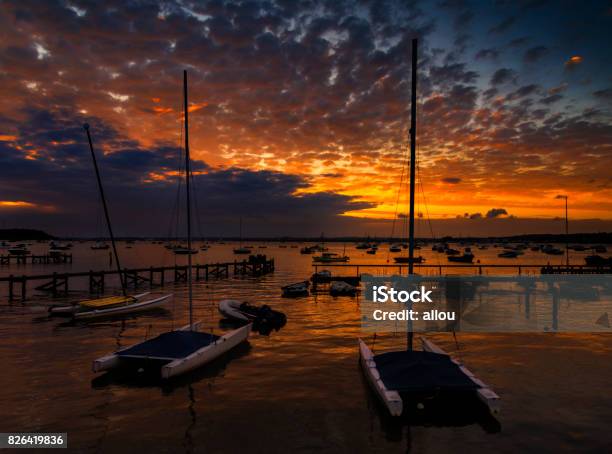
[171, 345]
[420, 371]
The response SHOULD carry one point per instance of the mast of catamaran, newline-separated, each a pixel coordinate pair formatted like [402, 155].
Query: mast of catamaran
[412, 171]
[106, 215]
[187, 175]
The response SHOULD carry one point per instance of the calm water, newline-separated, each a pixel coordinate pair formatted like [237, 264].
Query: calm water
[298, 389]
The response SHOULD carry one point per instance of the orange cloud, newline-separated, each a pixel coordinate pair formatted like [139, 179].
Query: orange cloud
[162, 110]
[197, 106]
[7, 138]
[16, 204]
[573, 61]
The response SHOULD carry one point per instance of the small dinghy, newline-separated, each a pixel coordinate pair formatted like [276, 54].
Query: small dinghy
[340, 288]
[323, 276]
[297, 289]
[261, 316]
[110, 306]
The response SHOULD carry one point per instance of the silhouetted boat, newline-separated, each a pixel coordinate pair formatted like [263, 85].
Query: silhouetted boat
[330, 257]
[426, 375]
[99, 245]
[341, 288]
[179, 351]
[297, 289]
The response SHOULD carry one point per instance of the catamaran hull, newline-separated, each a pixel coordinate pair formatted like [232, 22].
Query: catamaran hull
[484, 393]
[391, 399]
[191, 362]
[206, 354]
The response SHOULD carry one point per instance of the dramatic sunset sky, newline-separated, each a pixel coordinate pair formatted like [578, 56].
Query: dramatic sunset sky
[299, 113]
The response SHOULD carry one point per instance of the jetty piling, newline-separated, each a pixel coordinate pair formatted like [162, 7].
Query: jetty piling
[58, 283]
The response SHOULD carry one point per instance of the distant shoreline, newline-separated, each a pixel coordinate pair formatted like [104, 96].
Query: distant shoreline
[577, 238]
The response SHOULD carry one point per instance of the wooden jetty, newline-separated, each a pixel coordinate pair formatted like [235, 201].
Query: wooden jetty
[476, 268]
[576, 269]
[45, 259]
[58, 284]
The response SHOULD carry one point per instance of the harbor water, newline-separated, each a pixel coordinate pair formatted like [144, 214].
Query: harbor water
[299, 389]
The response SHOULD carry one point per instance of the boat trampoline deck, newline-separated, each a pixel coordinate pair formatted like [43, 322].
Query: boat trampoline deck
[421, 371]
[169, 346]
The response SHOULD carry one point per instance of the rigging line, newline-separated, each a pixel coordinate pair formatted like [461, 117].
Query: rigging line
[175, 207]
[399, 192]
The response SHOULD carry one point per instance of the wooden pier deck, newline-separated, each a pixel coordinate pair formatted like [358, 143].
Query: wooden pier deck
[477, 268]
[58, 284]
[44, 259]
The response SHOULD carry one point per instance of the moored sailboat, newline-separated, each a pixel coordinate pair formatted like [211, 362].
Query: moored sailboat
[410, 375]
[114, 305]
[179, 351]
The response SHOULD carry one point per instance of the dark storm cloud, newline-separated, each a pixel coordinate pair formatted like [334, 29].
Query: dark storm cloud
[605, 94]
[551, 99]
[317, 90]
[534, 54]
[451, 180]
[502, 26]
[503, 76]
[65, 180]
[496, 212]
[487, 54]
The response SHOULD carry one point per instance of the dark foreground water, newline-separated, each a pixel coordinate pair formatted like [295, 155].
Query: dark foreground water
[297, 390]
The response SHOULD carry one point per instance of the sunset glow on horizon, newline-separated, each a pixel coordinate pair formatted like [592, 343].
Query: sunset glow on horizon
[314, 102]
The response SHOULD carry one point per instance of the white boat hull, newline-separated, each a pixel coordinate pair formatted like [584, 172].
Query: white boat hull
[391, 399]
[206, 354]
[191, 362]
[231, 309]
[137, 307]
[484, 392]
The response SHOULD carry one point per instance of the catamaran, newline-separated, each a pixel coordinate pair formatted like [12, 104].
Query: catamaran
[418, 375]
[113, 305]
[179, 351]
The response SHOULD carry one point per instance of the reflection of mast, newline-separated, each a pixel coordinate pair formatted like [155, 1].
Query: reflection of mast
[193, 417]
[412, 171]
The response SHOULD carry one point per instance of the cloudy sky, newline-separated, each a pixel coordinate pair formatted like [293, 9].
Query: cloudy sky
[299, 113]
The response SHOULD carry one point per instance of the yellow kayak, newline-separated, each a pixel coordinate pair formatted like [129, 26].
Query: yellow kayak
[107, 302]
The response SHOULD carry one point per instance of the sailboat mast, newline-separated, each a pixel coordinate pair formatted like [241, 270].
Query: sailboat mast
[412, 173]
[187, 177]
[106, 215]
[412, 157]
